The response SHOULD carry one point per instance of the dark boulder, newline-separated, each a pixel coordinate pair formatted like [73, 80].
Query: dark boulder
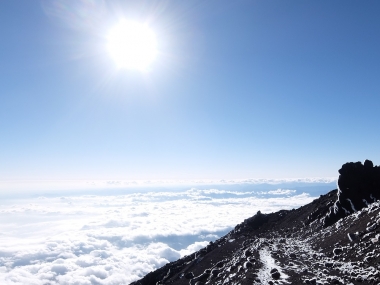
[257, 220]
[359, 185]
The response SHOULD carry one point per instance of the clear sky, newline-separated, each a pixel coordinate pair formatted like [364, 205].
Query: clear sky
[237, 89]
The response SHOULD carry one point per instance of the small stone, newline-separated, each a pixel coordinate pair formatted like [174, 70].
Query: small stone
[247, 253]
[220, 264]
[371, 228]
[352, 236]
[274, 270]
[189, 275]
[276, 275]
[215, 272]
[247, 264]
[337, 251]
[329, 264]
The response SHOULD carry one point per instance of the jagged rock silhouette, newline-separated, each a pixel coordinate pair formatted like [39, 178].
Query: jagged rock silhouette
[257, 220]
[359, 185]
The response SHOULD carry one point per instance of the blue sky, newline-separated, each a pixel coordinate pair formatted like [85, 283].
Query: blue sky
[242, 89]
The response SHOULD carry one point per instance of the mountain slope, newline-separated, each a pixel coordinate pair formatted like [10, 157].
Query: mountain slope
[291, 247]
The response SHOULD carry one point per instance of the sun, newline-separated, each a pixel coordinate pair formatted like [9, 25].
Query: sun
[132, 45]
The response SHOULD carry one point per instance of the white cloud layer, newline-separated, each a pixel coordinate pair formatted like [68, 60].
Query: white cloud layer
[54, 186]
[116, 239]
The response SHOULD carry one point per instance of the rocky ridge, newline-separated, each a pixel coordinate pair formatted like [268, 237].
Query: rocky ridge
[320, 243]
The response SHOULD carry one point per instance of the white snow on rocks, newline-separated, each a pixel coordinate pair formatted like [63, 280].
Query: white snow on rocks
[269, 264]
[352, 205]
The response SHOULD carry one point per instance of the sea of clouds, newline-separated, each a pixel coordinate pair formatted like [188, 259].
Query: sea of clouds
[117, 236]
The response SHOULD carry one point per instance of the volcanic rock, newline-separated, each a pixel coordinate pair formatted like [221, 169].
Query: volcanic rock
[359, 185]
[333, 240]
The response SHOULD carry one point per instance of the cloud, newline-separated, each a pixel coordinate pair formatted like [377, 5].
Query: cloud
[17, 188]
[193, 247]
[116, 239]
[281, 192]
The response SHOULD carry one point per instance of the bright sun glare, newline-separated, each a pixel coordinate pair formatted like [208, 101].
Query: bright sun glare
[132, 45]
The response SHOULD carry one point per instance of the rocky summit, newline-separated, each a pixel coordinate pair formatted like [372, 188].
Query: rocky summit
[333, 240]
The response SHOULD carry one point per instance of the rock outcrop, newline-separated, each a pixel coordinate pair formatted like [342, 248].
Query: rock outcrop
[359, 185]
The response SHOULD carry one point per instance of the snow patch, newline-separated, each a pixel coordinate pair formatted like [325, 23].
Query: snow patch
[346, 211]
[352, 205]
[268, 264]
